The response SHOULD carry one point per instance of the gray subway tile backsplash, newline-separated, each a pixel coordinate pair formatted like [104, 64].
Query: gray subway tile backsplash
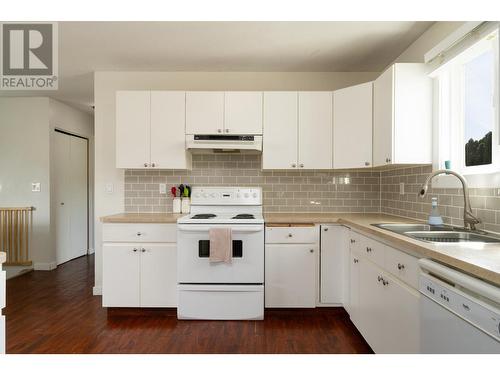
[313, 191]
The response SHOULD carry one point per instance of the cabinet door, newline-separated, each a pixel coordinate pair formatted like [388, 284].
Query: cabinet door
[243, 112]
[315, 130]
[159, 275]
[133, 133]
[290, 275]
[280, 131]
[120, 275]
[333, 243]
[402, 318]
[372, 310]
[204, 112]
[383, 118]
[352, 306]
[352, 127]
[168, 134]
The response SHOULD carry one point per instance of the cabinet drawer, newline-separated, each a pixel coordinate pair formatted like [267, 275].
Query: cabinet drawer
[402, 265]
[139, 232]
[373, 250]
[2, 290]
[292, 234]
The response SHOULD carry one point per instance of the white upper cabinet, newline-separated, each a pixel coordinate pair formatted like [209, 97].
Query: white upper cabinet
[280, 130]
[297, 130]
[352, 126]
[402, 116]
[150, 130]
[243, 112]
[204, 112]
[168, 141]
[133, 118]
[315, 130]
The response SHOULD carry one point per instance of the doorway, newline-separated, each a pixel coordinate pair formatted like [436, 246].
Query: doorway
[71, 195]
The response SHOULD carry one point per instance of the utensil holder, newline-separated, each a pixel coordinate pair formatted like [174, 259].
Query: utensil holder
[186, 205]
[176, 205]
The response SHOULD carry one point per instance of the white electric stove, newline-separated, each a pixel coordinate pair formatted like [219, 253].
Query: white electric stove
[223, 291]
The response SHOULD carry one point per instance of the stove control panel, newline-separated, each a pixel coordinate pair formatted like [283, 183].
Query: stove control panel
[216, 196]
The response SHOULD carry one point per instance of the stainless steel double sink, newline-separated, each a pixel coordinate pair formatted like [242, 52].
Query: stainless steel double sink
[441, 234]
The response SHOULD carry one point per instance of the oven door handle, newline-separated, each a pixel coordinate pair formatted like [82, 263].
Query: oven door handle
[206, 228]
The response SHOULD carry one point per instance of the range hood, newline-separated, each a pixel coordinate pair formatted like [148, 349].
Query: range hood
[224, 143]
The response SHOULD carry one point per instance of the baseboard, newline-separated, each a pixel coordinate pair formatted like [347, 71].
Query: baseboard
[45, 266]
[97, 290]
[90, 251]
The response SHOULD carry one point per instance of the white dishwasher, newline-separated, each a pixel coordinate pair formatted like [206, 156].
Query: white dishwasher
[459, 313]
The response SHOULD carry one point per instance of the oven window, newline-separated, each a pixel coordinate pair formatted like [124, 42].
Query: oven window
[204, 248]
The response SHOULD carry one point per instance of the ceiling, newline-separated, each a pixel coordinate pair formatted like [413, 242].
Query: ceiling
[85, 47]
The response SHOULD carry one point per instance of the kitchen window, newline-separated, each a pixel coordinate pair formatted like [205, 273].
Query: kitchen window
[467, 132]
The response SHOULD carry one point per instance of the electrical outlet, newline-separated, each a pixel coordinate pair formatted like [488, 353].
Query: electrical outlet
[36, 187]
[163, 188]
[108, 188]
[401, 188]
[498, 192]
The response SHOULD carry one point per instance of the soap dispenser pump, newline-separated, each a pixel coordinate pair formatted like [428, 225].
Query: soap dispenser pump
[435, 218]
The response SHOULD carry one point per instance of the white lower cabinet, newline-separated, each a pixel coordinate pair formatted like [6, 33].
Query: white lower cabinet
[332, 264]
[291, 267]
[139, 274]
[383, 307]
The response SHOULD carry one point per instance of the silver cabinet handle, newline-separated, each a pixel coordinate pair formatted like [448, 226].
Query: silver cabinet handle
[135, 250]
[353, 241]
[466, 307]
[380, 278]
[367, 163]
[311, 251]
[139, 233]
[290, 235]
[302, 166]
[153, 165]
[146, 164]
[294, 165]
[368, 249]
[143, 250]
[401, 266]
[219, 130]
[227, 130]
[355, 260]
[387, 160]
[325, 229]
[385, 282]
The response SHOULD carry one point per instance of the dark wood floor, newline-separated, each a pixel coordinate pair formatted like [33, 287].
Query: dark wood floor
[55, 312]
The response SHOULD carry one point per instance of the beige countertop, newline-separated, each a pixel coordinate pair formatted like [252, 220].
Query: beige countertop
[166, 218]
[3, 257]
[479, 260]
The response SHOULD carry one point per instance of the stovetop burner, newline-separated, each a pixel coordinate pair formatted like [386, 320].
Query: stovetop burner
[244, 216]
[203, 216]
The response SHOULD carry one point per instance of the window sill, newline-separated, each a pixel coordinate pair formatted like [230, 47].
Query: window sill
[475, 181]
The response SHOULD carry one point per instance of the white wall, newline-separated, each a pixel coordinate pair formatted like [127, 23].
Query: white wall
[26, 127]
[107, 83]
[24, 158]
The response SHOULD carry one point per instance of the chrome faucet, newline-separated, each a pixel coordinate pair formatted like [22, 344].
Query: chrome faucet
[470, 220]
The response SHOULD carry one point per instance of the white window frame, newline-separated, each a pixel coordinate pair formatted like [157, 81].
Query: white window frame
[449, 99]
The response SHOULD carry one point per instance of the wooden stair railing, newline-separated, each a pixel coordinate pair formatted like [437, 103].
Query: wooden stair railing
[16, 224]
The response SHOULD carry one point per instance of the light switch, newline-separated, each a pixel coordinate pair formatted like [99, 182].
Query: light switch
[36, 187]
[163, 188]
[108, 188]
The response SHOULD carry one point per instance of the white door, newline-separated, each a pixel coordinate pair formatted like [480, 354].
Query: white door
[70, 201]
[333, 243]
[383, 118]
[168, 130]
[120, 275]
[353, 305]
[315, 130]
[158, 275]
[280, 131]
[352, 126]
[402, 316]
[371, 306]
[133, 133]
[290, 275]
[204, 112]
[243, 112]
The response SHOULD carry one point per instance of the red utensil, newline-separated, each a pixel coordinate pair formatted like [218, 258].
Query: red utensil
[173, 191]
